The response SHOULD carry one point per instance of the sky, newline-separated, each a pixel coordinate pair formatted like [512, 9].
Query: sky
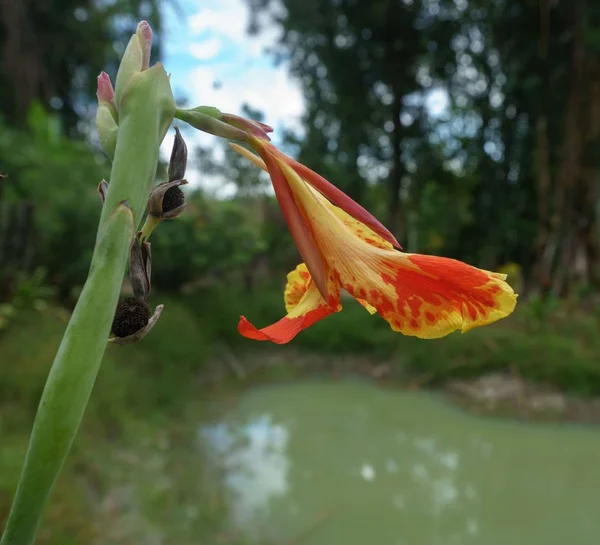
[214, 62]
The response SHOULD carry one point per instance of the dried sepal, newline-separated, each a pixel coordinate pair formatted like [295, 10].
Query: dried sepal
[178, 162]
[140, 333]
[140, 268]
[167, 201]
[103, 190]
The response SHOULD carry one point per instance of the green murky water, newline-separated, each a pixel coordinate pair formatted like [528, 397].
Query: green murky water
[347, 463]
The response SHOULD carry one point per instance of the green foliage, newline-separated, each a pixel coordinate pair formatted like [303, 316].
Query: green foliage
[220, 238]
[58, 176]
[30, 291]
[139, 387]
[495, 171]
[55, 49]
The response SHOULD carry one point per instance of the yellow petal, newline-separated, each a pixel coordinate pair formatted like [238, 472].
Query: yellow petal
[298, 282]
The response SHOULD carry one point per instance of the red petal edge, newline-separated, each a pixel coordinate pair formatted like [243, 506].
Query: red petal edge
[284, 330]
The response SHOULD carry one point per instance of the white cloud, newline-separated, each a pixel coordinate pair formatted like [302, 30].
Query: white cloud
[243, 73]
[269, 90]
[206, 49]
[231, 18]
[226, 68]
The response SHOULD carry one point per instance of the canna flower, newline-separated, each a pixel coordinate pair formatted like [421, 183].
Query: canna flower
[344, 247]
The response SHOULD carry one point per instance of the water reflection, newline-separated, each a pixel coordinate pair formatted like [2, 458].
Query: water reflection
[255, 463]
[399, 468]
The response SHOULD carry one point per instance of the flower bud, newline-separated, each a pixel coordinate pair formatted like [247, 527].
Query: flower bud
[106, 94]
[205, 122]
[178, 162]
[144, 34]
[254, 128]
[131, 63]
[107, 129]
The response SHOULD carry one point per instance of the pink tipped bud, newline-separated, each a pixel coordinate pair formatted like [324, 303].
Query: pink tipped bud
[105, 91]
[144, 34]
[208, 119]
[265, 127]
[254, 128]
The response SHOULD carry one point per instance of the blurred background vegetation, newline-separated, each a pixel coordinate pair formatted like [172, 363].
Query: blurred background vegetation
[505, 176]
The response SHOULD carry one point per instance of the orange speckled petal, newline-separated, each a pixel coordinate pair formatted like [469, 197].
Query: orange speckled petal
[423, 296]
[309, 309]
[430, 297]
[370, 308]
[298, 282]
[334, 194]
[359, 229]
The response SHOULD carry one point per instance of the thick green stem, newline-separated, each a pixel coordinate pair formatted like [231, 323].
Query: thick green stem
[145, 112]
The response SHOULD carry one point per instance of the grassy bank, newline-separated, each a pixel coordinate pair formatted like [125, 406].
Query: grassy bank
[143, 388]
[552, 342]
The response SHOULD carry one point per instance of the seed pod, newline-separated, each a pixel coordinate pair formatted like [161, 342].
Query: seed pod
[132, 321]
[167, 201]
[131, 315]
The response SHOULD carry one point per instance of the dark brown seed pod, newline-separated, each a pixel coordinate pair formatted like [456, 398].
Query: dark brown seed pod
[167, 201]
[132, 315]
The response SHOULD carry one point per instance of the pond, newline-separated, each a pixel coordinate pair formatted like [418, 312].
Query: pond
[328, 463]
[346, 462]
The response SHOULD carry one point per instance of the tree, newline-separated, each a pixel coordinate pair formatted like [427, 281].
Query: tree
[516, 146]
[52, 51]
[358, 64]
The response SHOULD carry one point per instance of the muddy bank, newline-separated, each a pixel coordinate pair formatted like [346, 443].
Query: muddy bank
[503, 394]
[507, 395]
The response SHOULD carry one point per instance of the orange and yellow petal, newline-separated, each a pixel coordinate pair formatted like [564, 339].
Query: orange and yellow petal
[360, 230]
[308, 310]
[370, 308]
[298, 282]
[423, 296]
[299, 229]
[337, 197]
[430, 297]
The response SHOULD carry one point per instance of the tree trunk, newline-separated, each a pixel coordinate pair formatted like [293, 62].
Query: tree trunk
[567, 251]
[543, 249]
[397, 172]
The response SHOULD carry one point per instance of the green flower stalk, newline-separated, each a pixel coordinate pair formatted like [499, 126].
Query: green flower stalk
[135, 117]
